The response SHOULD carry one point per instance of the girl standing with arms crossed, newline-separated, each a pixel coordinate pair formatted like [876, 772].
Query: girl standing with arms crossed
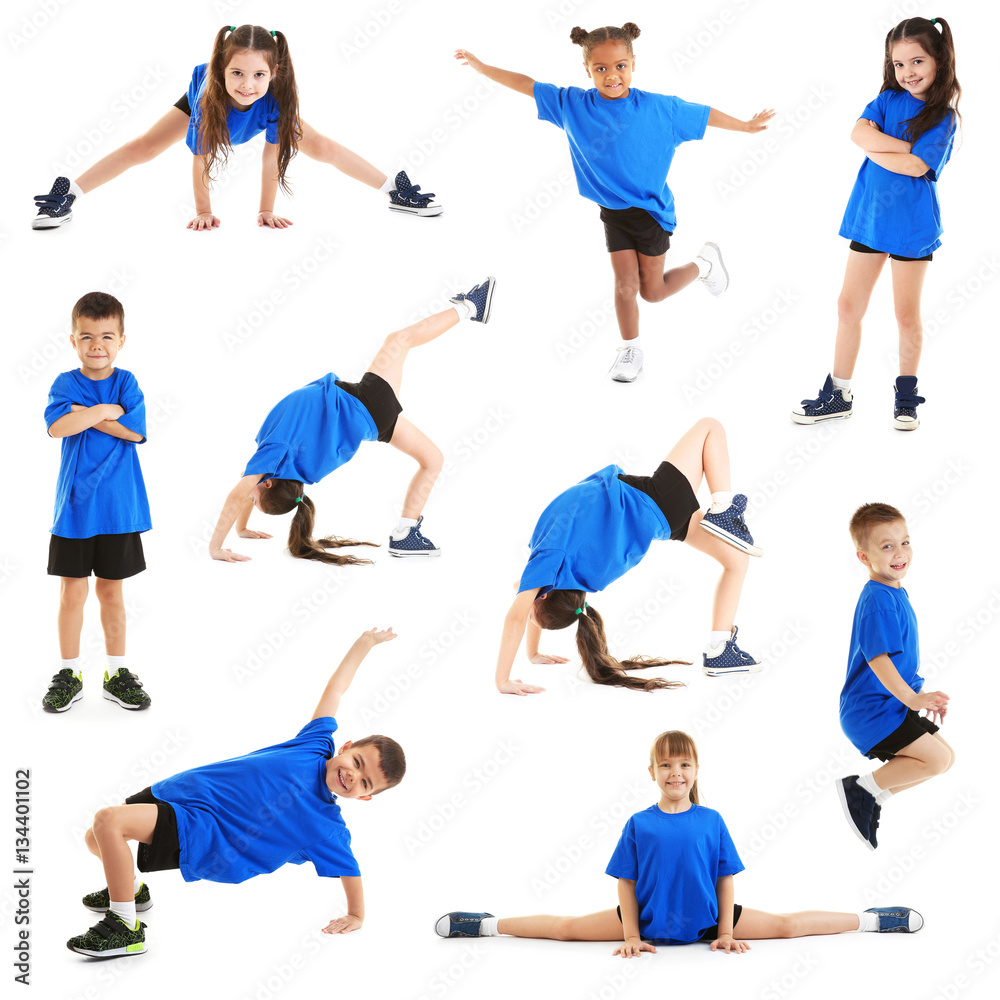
[907, 134]
[247, 87]
[622, 142]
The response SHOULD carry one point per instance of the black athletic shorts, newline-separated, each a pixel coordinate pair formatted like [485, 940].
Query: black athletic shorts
[110, 557]
[712, 933]
[634, 229]
[861, 248]
[912, 728]
[184, 105]
[379, 400]
[164, 852]
[672, 493]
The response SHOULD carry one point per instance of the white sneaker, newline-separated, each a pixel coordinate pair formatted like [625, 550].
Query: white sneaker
[717, 279]
[628, 364]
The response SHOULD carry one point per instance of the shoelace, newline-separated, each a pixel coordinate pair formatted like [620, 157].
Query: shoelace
[627, 355]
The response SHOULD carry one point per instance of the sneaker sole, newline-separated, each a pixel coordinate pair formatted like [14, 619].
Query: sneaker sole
[49, 223]
[751, 550]
[406, 555]
[801, 418]
[491, 286]
[454, 934]
[112, 953]
[842, 795]
[624, 378]
[66, 707]
[426, 212]
[722, 671]
[905, 425]
[715, 247]
[124, 704]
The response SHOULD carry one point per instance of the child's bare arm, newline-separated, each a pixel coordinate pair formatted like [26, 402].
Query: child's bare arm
[231, 510]
[355, 907]
[117, 430]
[82, 418]
[269, 189]
[936, 702]
[202, 200]
[633, 945]
[725, 894]
[241, 522]
[872, 139]
[513, 632]
[900, 163]
[532, 637]
[515, 81]
[338, 684]
[756, 124]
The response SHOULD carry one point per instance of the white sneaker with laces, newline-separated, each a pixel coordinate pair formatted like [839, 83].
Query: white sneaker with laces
[717, 279]
[628, 364]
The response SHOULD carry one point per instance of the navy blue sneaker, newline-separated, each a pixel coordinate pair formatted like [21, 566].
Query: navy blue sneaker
[729, 525]
[413, 543]
[459, 924]
[410, 199]
[830, 404]
[54, 208]
[480, 297]
[859, 808]
[904, 414]
[898, 919]
[732, 660]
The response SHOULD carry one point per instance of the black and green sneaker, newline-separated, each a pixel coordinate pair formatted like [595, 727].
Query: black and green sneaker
[110, 938]
[65, 690]
[100, 902]
[125, 689]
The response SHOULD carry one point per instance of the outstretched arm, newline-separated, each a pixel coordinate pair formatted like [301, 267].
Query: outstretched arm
[344, 674]
[935, 702]
[515, 81]
[231, 510]
[82, 418]
[513, 631]
[756, 124]
[355, 907]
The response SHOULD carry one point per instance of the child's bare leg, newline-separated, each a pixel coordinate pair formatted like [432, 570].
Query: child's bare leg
[625, 264]
[415, 443]
[755, 925]
[703, 451]
[388, 363]
[72, 597]
[862, 272]
[109, 593]
[655, 285]
[926, 757]
[734, 570]
[320, 147]
[603, 926]
[113, 828]
[170, 129]
[907, 286]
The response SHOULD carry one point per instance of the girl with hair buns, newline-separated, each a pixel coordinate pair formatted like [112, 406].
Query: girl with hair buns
[247, 87]
[622, 141]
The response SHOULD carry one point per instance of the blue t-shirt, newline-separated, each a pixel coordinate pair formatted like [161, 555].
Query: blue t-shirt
[884, 622]
[674, 860]
[250, 815]
[100, 490]
[261, 116]
[891, 212]
[311, 432]
[592, 534]
[622, 149]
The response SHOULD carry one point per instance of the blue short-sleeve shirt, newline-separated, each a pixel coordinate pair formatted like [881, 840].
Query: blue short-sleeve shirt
[261, 116]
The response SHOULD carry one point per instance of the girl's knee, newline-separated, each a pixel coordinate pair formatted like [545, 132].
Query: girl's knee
[108, 591]
[709, 425]
[627, 287]
[434, 461]
[562, 928]
[73, 592]
[849, 309]
[787, 925]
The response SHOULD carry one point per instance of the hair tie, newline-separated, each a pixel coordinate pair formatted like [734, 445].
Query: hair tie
[299, 499]
[274, 35]
[580, 611]
[933, 20]
[232, 28]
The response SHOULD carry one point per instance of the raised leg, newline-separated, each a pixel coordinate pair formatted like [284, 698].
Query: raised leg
[108, 838]
[320, 147]
[862, 272]
[72, 597]
[625, 264]
[388, 363]
[415, 443]
[655, 285]
[755, 925]
[603, 926]
[109, 594]
[734, 570]
[703, 451]
[907, 286]
[926, 757]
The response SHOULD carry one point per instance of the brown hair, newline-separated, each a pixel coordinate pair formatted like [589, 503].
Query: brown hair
[561, 608]
[867, 517]
[674, 743]
[588, 39]
[285, 494]
[941, 101]
[213, 129]
[391, 758]
[98, 305]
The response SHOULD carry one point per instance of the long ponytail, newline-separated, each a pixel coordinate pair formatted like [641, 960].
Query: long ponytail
[286, 94]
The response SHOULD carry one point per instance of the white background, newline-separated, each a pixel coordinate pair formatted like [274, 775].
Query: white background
[235, 656]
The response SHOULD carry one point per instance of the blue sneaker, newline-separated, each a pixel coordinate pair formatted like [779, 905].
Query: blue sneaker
[459, 924]
[413, 543]
[732, 660]
[480, 297]
[860, 809]
[899, 919]
[830, 404]
[904, 414]
[54, 208]
[729, 525]
[408, 198]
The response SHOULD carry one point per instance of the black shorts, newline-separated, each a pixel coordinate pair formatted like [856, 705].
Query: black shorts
[164, 852]
[712, 933]
[379, 400]
[634, 229]
[672, 493]
[861, 248]
[184, 105]
[912, 728]
[109, 557]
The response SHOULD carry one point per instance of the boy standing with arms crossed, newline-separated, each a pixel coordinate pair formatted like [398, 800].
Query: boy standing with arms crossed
[883, 694]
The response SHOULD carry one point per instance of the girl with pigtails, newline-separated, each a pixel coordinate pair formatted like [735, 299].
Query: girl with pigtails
[247, 87]
[594, 532]
[319, 427]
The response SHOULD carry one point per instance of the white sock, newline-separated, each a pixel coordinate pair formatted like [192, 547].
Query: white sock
[73, 664]
[867, 921]
[842, 383]
[721, 499]
[136, 885]
[126, 911]
[716, 639]
[867, 782]
[403, 528]
[389, 185]
[464, 308]
[488, 928]
[704, 266]
[74, 188]
[115, 663]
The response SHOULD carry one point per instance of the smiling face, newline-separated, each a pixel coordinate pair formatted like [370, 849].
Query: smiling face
[887, 553]
[610, 66]
[915, 69]
[97, 343]
[356, 772]
[675, 776]
[247, 78]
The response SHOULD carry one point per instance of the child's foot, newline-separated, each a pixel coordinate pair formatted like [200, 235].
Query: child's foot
[110, 938]
[628, 364]
[480, 300]
[904, 414]
[729, 525]
[859, 808]
[125, 689]
[410, 199]
[64, 692]
[459, 924]
[717, 278]
[412, 543]
[54, 208]
[100, 902]
[830, 404]
[730, 659]
[897, 918]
